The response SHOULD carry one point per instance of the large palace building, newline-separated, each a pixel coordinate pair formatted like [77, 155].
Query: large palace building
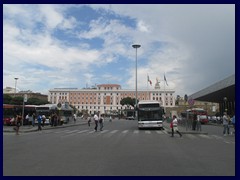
[106, 97]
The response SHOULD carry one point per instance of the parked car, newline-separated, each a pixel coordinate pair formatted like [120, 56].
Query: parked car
[214, 119]
[9, 121]
[219, 120]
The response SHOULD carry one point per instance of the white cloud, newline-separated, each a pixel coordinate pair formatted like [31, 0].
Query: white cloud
[142, 26]
[185, 41]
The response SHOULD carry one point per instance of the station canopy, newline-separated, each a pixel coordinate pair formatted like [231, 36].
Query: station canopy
[216, 92]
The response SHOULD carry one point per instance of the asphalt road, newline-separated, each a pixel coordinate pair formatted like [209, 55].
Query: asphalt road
[119, 150]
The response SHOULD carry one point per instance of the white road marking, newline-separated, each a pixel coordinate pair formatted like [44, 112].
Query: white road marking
[114, 131]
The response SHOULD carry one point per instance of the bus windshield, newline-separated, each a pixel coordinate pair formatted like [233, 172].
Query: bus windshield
[150, 105]
[152, 115]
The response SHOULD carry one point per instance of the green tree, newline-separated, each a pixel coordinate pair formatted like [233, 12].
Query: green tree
[128, 101]
[17, 100]
[36, 101]
[75, 110]
[186, 97]
[7, 99]
[177, 100]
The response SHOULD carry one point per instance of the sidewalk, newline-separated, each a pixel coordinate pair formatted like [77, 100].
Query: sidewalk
[182, 129]
[30, 128]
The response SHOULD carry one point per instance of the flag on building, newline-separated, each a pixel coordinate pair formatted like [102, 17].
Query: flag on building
[165, 80]
[149, 80]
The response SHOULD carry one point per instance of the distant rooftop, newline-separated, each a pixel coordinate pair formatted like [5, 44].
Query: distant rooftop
[108, 85]
[65, 88]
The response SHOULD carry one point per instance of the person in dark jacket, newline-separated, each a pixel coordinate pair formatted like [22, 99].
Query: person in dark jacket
[39, 119]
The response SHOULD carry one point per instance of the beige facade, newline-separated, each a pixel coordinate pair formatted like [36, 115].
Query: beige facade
[106, 97]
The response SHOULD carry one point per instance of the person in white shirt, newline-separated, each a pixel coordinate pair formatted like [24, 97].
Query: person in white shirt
[96, 121]
[175, 128]
[225, 124]
[43, 120]
[27, 119]
[101, 121]
[74, 118]
[199, 123]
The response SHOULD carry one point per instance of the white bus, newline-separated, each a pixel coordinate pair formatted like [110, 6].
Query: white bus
[150, 114]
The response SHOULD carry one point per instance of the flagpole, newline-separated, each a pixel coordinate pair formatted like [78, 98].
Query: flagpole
[147, 88]
[164, 96]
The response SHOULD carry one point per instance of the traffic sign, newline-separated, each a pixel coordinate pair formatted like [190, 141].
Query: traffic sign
[191, 102]
[25, 97]
[59, 106]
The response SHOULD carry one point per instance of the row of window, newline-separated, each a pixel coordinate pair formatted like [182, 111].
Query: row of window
[161, 94]
[123, 94]
[160, 99]
[166, 103]
[111, 103]
[109, 88]
[94, 107]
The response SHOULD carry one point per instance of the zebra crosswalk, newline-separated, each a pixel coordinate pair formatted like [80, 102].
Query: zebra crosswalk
[108, 133]
[111, 133]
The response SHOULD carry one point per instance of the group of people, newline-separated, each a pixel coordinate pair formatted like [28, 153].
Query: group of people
[196, 125]
[226, 124]
[98, 120]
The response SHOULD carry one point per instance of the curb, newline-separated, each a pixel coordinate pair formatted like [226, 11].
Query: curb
[169, 131]
[33, 130]
[188, 132]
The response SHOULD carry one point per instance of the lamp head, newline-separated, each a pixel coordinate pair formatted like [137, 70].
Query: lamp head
[136, 46]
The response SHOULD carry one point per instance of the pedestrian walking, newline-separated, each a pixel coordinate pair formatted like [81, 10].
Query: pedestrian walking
[89, 120]
[110, 119]
[101, 121]
[39, 119]
[233, 123]
[175, 126]
[55, 120]
[52, 120]
[30, 119]
[18, 123]
[33, 119]
[194, 122]
[199, 128]
[27, 119]
[74, 118]
[96, 121]
[43, 120]
[225, 124]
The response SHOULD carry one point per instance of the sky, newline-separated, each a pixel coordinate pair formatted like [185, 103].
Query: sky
[77, 46]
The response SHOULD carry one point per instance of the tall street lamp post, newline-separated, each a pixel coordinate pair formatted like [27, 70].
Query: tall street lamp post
[15, 86]
[136, 46]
